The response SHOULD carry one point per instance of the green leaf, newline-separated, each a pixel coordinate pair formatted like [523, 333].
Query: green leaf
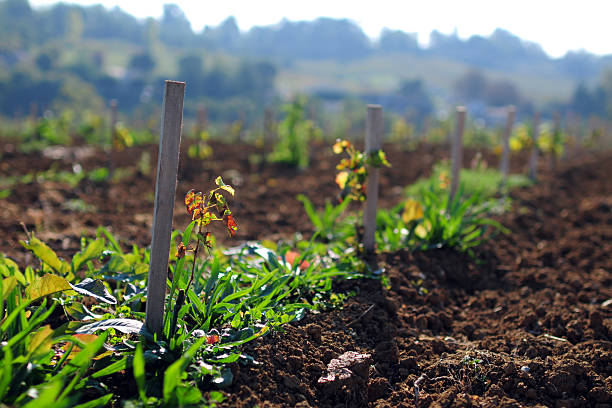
[5, 379]
[224, 358]
[46, 255]
[92, 251]
[78, 311]
[139, 372]
[96, 289]
[173, 374]
[83, 358]
[113, 368]
[9, 268]
[126, 326]
[47, 285]
[98, 402]
[40, 342]
[48, 396]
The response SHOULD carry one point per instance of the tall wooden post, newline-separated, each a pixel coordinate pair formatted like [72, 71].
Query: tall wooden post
[533, 158]
[165, 190]
[268, 133]
[552, 163]
[373, 140]
[201, 119]
[457, 151]
[504, 166]
[113, 136]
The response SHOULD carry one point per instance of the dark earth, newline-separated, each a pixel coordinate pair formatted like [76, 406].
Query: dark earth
[526, 322]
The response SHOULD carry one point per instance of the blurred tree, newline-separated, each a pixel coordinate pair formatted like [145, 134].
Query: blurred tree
[46, 59]
[175, 28]
[142, 63]
[397, 41]
[471, 86]
[501, 93]
[75, 25]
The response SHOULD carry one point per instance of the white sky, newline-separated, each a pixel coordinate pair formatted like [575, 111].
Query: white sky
[557, 25]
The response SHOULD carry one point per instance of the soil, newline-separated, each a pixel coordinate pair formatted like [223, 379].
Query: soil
[527, 321]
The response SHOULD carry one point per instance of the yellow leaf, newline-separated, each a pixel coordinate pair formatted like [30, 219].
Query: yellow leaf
[40, 342]
[413, 210]
[422, 229]
[8, 284]
[342, 178]
[46, 285]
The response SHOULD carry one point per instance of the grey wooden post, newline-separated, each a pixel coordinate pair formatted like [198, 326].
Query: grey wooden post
[533, 158]
[374, 132]
[165, 190]
[457, 151]
[202, 119]
[113, 136]
[504, 166]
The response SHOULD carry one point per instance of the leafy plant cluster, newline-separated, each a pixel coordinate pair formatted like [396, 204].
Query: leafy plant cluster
[72, 332]
[67, 127]
[294, 134]
[550, 140]
[426, 220]
[353, 170]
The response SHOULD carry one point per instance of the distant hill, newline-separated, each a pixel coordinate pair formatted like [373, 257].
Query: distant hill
[320, 56]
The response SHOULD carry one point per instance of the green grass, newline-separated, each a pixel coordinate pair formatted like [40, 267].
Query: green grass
[485, 181]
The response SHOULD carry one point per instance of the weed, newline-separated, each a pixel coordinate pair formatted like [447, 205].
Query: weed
[294, 134]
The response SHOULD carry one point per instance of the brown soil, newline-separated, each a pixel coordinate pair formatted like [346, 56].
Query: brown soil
[527, 322]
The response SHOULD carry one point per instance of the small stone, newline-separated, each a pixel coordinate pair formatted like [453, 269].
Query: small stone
[314, 331]
[347, 365]
[529, 319]
[291, 381]
[595, 320]
[532, 394]
[509, 368]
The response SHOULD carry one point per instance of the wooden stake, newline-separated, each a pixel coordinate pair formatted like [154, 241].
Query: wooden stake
[374, 132]
[202, 118]
[552, 163]
[268, 133]
[504, 166]
[457, 151]
[533, 158]
[113, 136]
[165, 190]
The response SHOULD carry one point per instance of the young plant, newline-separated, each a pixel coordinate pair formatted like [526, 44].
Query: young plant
[327, 222]
[203, 209]
[200, 149]
[353, 170]
[294, 134]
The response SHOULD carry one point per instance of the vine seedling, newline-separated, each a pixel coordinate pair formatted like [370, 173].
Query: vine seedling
[201, 208]
[353, 170]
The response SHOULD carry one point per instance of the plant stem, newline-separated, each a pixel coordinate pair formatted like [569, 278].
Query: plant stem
[195, 256]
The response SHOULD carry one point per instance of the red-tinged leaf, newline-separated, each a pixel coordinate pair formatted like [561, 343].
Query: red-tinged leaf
[214, 339]
[292, 256]
[189, 198]
[194, 203]
[181, 250]
[230, 224]
[220, 203]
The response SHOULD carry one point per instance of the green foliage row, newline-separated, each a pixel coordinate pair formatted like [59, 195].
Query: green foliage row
[236, 296]
[428, 218]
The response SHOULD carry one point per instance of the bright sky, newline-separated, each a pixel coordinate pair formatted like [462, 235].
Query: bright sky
[557, 25]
